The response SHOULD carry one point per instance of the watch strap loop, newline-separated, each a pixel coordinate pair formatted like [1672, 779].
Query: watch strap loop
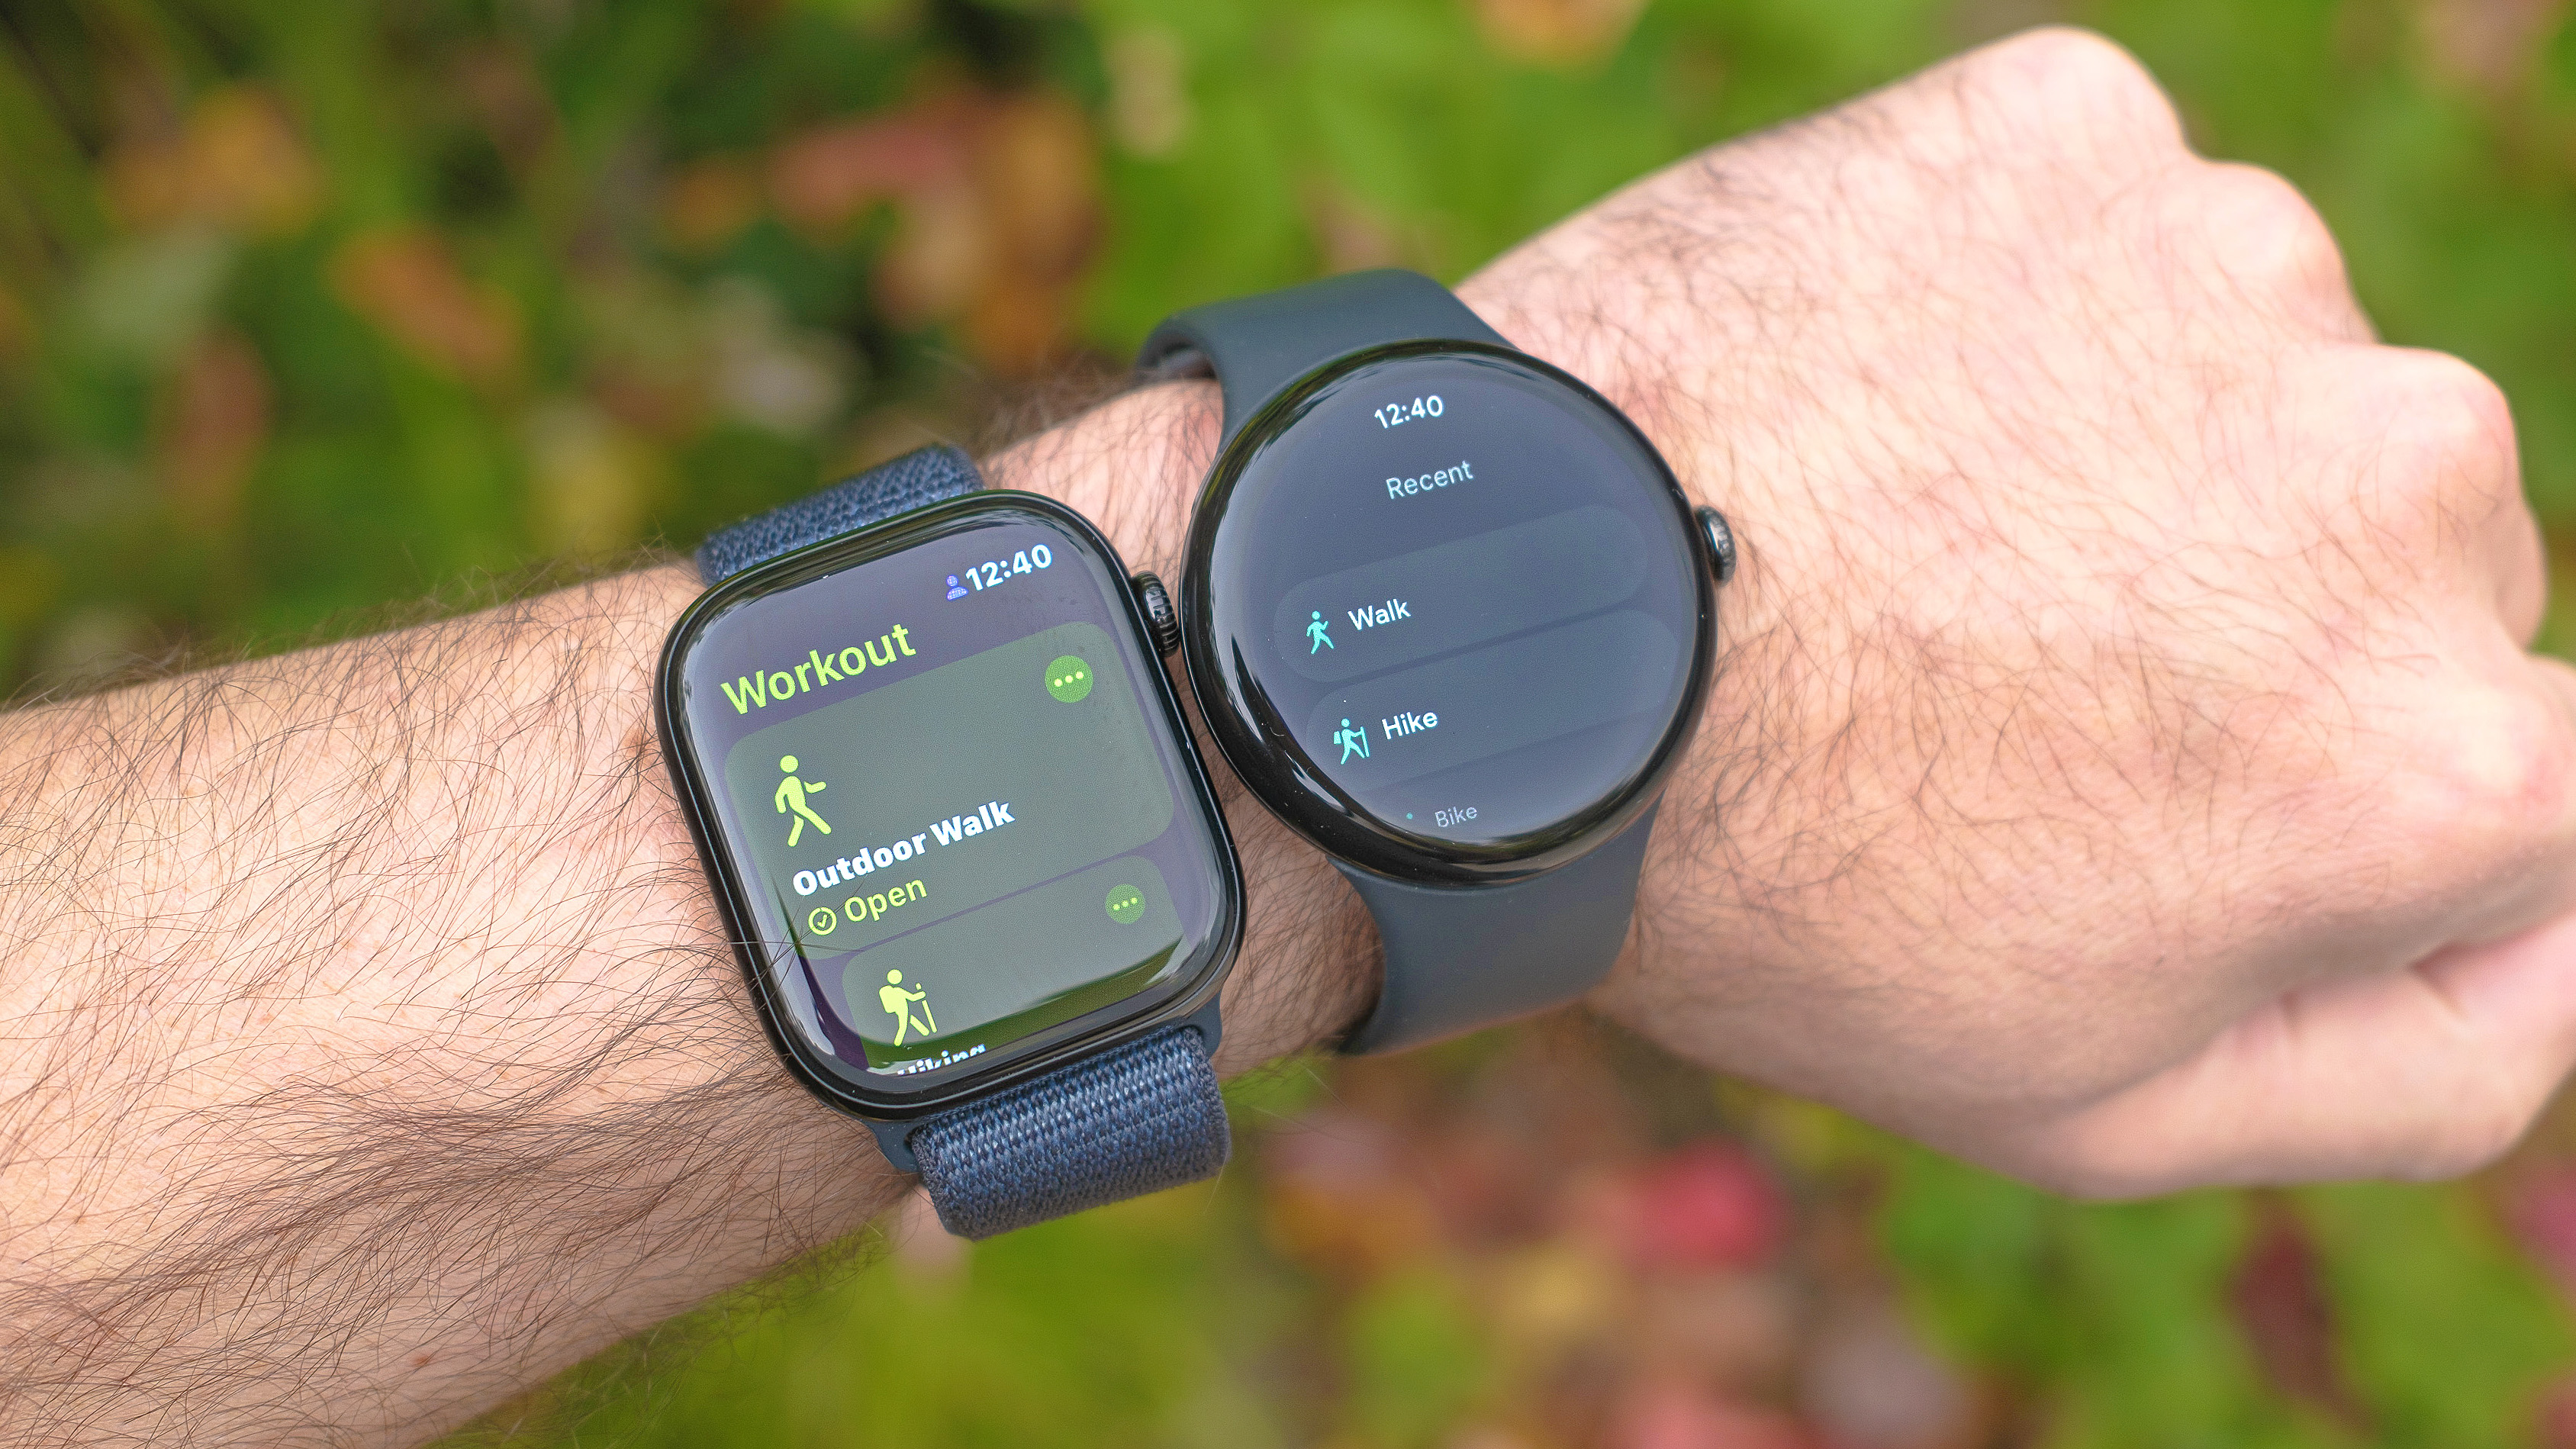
[1133, 1120]
[915, 480]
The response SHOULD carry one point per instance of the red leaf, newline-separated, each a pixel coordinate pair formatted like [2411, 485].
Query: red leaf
[1708, 1205]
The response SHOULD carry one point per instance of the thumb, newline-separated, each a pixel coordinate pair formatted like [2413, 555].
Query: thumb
[2427, 1072]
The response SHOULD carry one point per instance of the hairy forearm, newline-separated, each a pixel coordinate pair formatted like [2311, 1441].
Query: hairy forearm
[374, 1030]
[374, 1047]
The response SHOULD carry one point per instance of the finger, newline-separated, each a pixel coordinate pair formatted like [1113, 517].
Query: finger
[2424, 1073]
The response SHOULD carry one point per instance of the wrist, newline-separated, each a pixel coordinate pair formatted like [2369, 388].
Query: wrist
[1134, 466]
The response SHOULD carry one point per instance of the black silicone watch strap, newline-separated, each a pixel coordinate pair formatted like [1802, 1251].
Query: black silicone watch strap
[1134, 1119]
[1256, 346]
[1457, 957]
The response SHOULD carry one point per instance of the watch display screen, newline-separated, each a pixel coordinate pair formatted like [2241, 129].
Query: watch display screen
[1452, 594]
[953, 797]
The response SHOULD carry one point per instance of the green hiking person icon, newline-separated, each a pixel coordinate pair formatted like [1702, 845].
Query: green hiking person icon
[791, 802]
[898, 1004]
[1353, 742]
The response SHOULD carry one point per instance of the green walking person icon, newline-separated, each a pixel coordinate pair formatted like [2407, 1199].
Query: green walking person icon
[1321, 633]
[898, 1004]
[791, 802]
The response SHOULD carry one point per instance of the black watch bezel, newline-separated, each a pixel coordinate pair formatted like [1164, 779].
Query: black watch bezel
[1180, 998]
[1263, 750]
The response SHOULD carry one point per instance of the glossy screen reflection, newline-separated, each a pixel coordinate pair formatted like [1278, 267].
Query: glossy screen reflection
[1460, 594]
[957, 812]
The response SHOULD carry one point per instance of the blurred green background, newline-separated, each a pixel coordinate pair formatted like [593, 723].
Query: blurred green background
[307, 309]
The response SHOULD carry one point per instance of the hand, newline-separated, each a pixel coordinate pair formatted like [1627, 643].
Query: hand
[2126, 769]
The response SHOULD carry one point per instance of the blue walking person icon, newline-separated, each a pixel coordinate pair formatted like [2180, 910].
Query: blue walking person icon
[1323, 640]
[1353, 742]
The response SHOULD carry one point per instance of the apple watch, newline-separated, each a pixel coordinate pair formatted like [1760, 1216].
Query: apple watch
[971, 866]
[1450, 616]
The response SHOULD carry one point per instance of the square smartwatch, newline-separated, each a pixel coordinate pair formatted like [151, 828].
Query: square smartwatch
[969, 860]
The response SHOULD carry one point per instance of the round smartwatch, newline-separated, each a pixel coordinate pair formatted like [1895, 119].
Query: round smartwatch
[969, 859]
[1449, 615]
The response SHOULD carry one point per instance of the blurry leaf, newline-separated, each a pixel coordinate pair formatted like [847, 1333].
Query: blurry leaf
[1557, 32]
[1271, 1095]
[1871, 1384]
[1342, 1196]
[1667, 1415]
[708, 204]
[2493, 45]
[1976, 1252]
[820, 178]
[2555, 1423]
[940, 256]
[593, 483]
[406, 283]
[2543, 1215]
[1149, 100]
[2280, 1303]
[1415, 1358]
[510, 100]
[236, 162]
[91, 644]
[214, 425]
[1350, 236]
[1707, 1205]
[1038, 176]
[878, 16]
[2113, 1318]
[765, 372]
[17, 330]
[1548, 1299]
[147, 299]
[1737, 1332]
[2450, 1339]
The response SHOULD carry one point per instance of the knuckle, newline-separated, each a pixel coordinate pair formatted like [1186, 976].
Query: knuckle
[2456, 413]
[2072, 74]
[2446, 450]
[2263, 226]
[2496, 777]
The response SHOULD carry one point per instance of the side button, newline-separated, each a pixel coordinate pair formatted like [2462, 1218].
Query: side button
[1721, 541]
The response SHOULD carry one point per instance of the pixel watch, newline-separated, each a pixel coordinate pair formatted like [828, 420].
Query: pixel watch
[1450, 616]
[970, 862]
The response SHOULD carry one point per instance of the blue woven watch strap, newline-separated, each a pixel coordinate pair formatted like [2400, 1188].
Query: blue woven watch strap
[1133, 1120]
[915, 480]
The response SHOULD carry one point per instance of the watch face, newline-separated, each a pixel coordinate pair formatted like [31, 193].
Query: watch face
[1448, 612]
[948, 801]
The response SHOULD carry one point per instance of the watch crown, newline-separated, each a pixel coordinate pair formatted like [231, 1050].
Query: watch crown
[1159, 613]
[1721, 542]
